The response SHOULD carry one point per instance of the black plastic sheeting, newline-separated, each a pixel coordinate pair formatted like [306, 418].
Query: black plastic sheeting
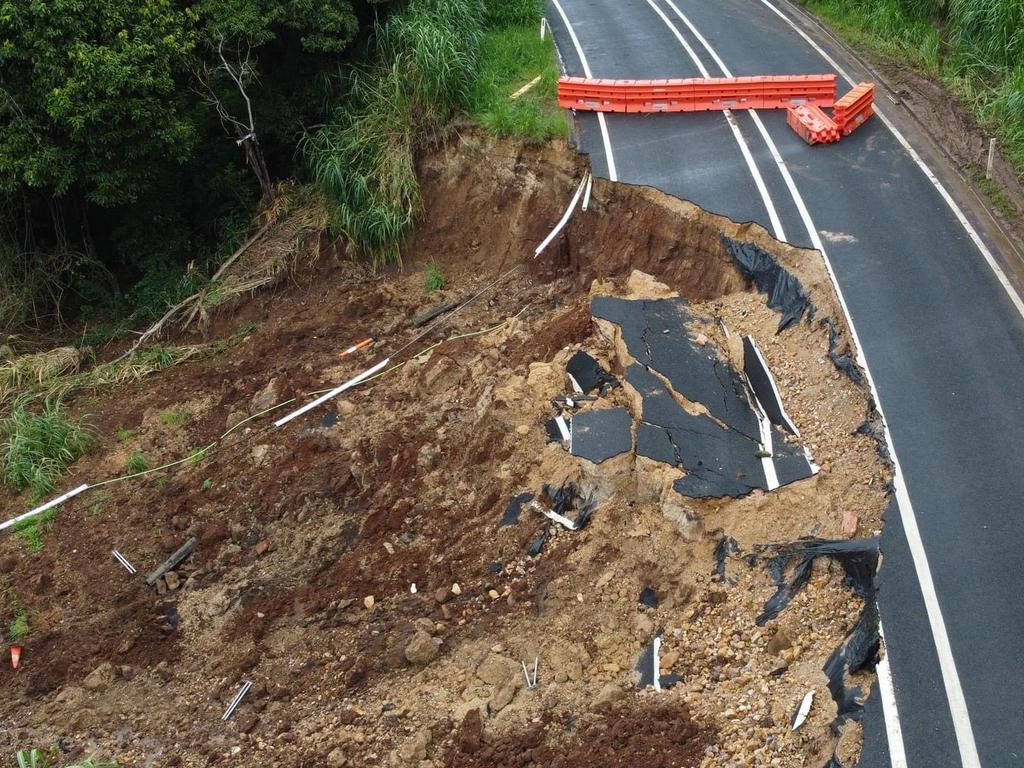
[648, 597]
[842, 360]
[569, 501]
[599, 435]
[726, 547]
[514, 509]
[785, 292]
[539, 541]
[858, 557]
[589, 374]
[858, 652]
[763, 384]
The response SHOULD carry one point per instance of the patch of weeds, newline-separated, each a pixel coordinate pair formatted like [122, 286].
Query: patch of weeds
[175, 418]
[35, 528]
[97, 506]
[207, 483]
[246, 329]
[994, 192]
[123, 434]
[39, 445]
[435, 278]
[137, 463]
[161, 482]
[19, 626]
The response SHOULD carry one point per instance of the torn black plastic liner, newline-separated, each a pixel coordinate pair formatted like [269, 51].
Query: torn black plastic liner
[569, 501]
[598, 435]
[514, 508]
[648, 597]
[726, 547]
[785, 292]
[858, 557]
[589, 375]
[859, 651]
[763, 384]
[843, 361]
[535, 546]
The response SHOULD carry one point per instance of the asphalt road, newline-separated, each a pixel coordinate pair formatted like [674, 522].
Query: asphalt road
[938, 330]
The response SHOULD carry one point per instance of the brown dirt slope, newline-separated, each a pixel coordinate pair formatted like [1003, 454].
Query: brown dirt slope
[311, 537]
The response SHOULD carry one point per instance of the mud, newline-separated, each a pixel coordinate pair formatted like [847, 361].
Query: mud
[299, 528]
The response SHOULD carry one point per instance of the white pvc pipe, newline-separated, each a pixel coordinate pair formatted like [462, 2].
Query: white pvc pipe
[46, 506]
[565, 218]
[333, 393]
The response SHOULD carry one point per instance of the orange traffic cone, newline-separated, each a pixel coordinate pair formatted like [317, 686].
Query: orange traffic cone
[15, 656]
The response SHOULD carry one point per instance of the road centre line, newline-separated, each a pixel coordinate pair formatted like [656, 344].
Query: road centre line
[773, 215]
[609, 158]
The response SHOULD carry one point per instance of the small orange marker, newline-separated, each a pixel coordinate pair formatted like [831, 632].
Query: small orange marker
[15, 656]
[356, 347]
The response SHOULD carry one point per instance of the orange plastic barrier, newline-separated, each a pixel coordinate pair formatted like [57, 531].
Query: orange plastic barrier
[813, 125]
[696, 94]
[854, 108]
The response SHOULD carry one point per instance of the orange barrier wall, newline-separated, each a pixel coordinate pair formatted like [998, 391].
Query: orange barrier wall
[813, 125]
[696, 94]
[854, 108]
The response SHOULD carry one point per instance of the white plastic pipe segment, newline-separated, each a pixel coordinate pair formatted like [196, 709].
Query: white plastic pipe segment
[586, 195]
[333, 393]
[565, 217]
[46, 506]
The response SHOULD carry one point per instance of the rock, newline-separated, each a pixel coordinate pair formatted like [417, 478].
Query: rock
[259, 454]
[234, 419]
[502, 697]
[163, 671]
[850, 522]
[609, 694]
[246, 722]
[471, 732]
[172, 580]
[161, 586]
[336, 758]
[441, 594]
[496, 670]
[700, 340]
[421, 648]
[126, 672]
[779, 642]
[262, 547]
[266, 397]
[100, 678]
[415, 749]
[456, 589]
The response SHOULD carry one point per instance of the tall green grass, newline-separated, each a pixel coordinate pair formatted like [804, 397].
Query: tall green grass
[975, 46]
[39, 445]
[422, 67]
[426, 63]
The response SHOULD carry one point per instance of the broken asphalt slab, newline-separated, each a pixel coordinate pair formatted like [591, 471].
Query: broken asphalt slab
[601, 434]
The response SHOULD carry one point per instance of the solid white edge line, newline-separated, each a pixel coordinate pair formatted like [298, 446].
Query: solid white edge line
[333, 393]
[943, 192]
[44, 507]
[755, 172]
[775, 388]
[564, 220]
[563, 428]
[890, 712]
[951, 680]
[609, 157]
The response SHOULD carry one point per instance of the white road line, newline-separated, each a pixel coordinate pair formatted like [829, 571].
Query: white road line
[773, 215]
[947, 665]
[609, 157]
[957, 211]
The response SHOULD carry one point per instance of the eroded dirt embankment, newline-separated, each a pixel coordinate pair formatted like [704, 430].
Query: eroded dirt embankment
[311, 537]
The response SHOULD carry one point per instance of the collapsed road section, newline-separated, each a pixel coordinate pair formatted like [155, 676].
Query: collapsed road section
[424, 572]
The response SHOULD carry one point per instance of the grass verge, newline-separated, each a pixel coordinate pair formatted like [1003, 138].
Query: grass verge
[39, 445]
[975, 47]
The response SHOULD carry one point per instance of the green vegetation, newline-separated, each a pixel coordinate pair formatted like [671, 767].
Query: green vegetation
[435, 280]
[510, 58]
[975, 46]
[100, 499]
[39, 445]
[137, 463]
[36, 758]
[175, 417]
[207, 483]
[123, 434]
[35, 528]
[19, 626]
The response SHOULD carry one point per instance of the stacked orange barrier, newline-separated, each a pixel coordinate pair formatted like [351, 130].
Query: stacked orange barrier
[854, 108]
[696, 94]
[813, 125]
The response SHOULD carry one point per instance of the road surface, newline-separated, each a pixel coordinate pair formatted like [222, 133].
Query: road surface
[939, 322]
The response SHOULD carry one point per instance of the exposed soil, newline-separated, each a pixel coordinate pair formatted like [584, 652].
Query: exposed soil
[311, 537]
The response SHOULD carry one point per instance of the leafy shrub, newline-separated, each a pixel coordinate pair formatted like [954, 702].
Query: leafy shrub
[435, 278]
